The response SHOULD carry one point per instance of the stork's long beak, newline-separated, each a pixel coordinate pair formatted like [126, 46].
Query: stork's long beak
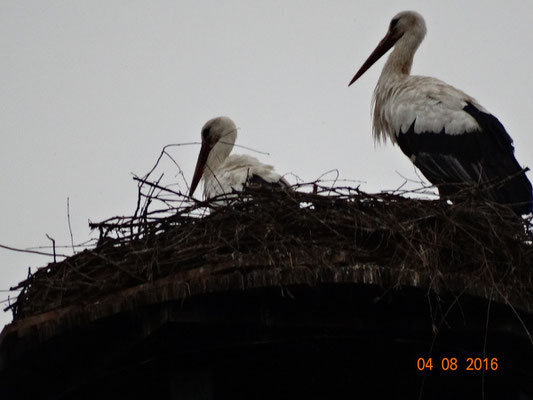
[386, 43]
[200, 165]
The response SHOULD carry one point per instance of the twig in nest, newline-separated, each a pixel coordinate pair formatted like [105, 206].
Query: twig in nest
[53, 246]
[69, 228]
[31, 251]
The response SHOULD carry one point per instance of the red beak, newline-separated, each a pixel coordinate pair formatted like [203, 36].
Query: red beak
[386, 43]
[200, 165]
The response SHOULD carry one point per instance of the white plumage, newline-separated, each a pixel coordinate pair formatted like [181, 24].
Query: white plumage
[446, 133]
[234, 172]
[223, 173]
[431, 104]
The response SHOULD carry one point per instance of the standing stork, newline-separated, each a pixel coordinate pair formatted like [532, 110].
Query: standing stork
[447, 134]
[223, 173]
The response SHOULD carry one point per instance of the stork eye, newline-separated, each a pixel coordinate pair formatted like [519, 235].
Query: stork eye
[394, 22]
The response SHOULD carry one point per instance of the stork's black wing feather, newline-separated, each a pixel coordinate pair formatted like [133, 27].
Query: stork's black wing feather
[484, 156]
[256, 180]
[500, 163]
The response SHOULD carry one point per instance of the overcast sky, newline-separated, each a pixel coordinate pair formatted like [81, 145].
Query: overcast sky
[92, 90]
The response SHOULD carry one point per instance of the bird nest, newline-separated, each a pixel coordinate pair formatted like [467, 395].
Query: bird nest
[467, 246]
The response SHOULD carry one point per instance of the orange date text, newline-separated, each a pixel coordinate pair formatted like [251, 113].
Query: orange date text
[454, 364]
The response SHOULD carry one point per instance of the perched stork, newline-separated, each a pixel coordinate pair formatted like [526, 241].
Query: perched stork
[447, 134]
[224, 173]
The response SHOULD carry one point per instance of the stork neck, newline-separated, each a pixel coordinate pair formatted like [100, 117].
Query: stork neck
[218, 155]
[397, 68]
[400, 60]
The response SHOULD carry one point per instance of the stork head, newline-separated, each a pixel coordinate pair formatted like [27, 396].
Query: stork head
[406, 24]
[218, 136]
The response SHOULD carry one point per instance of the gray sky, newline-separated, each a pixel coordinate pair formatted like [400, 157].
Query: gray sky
[92, 90]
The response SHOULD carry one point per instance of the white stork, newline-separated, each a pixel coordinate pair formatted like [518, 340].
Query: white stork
[223, 173]
[447, 134]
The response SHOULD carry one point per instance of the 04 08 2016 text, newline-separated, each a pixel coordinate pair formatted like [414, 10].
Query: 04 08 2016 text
[455, 364]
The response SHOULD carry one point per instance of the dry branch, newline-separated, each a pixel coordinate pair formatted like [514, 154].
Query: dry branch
[457, 246]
